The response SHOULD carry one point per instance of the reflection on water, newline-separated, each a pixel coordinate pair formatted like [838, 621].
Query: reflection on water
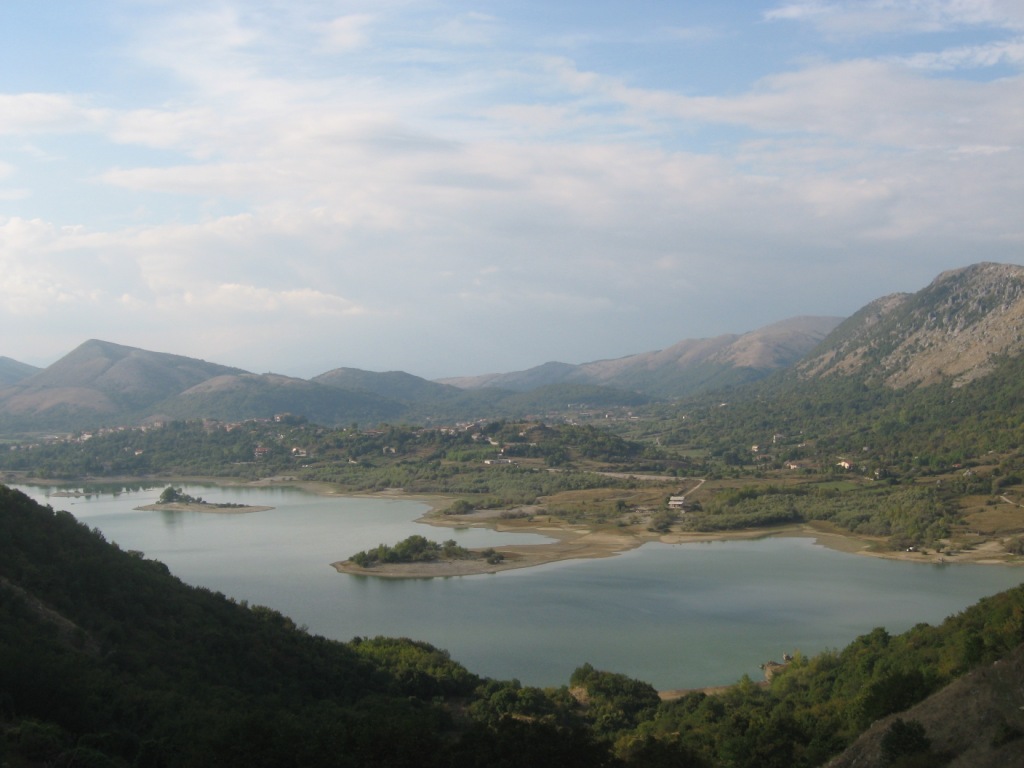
[678, 616]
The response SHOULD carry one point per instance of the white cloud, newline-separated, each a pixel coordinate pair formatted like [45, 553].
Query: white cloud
[861, 101]
[799, 11]
[19, 236]
[347, 33]
[983, 149]
[870, 17]
[23, 113]
[35, 271]
[10, 193]
[1009, 52]
[472, 29]
[241, 299]
[197, 130]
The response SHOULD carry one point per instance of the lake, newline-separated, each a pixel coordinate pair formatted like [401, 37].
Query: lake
[677, 616]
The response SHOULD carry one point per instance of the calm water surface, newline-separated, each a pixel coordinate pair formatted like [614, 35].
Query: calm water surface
[678, 616]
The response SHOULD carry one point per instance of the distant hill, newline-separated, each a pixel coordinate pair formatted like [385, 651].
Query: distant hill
[423, 401]
[426, 400]
[957, 329]
[560, 397]
[233, 397]
[11, 371]
[518, 381]
[100, 381]
[691, 366]
[396, 385]
[963, 327]
[104, 384]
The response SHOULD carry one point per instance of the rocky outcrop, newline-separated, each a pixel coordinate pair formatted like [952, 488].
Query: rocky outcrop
[956, 330]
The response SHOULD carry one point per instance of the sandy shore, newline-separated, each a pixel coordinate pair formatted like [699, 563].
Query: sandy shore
[209, 508]
[571, 542]
[574, 542]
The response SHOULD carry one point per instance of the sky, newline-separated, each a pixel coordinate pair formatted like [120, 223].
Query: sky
[455, 188]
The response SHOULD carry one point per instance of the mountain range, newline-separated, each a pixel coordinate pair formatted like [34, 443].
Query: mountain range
[956, 329]
[689, 366]
[11, 371]
[102, 383]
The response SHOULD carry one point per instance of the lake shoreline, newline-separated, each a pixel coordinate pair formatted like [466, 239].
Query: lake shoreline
[573, 542]
[569, 541]
[406, 590]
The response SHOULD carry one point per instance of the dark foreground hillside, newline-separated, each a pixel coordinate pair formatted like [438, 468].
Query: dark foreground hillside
[976, 722]
[106, 659]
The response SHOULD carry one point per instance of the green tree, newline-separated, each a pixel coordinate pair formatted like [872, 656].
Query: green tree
[170, 495]
[906, 743]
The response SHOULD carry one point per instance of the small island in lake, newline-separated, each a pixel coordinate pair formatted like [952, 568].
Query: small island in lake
[418, 556]
[174, 500]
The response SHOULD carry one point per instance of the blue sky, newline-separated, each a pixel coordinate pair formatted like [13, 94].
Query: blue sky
[458, 188]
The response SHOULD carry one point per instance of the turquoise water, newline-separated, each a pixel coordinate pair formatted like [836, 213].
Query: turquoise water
[677, 616]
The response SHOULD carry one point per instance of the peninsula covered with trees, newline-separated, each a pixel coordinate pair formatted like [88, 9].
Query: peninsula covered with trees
[416, 550]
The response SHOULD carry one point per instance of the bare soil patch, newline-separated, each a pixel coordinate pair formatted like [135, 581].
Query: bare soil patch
[210, 508]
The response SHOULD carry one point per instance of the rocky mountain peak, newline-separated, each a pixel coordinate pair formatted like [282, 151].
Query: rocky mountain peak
[954, 329]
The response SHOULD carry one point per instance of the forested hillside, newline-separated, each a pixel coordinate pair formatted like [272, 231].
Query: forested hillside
[418, 460]
[109, 660]
[900, 432]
